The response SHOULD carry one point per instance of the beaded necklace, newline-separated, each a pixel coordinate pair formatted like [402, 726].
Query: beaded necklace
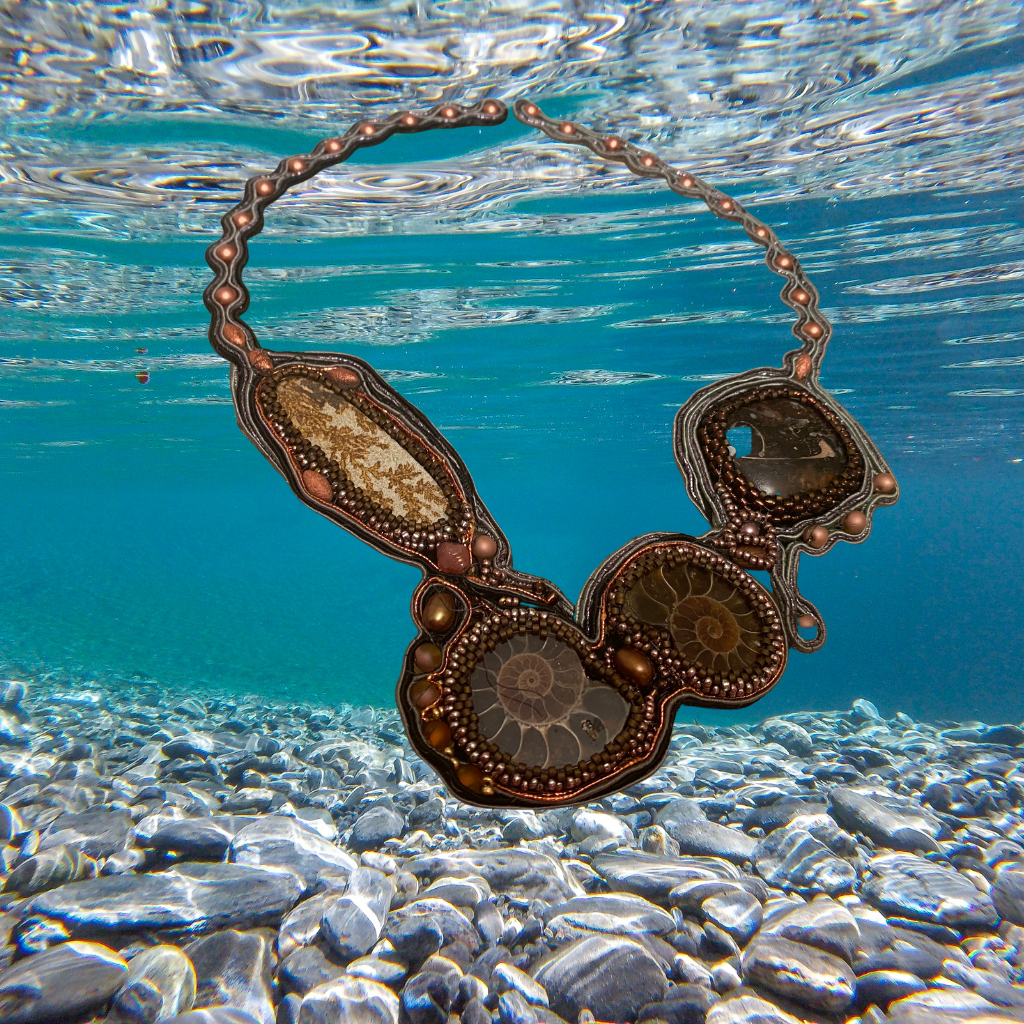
[516, 697]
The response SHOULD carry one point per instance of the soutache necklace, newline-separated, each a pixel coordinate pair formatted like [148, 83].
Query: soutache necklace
[514, 696]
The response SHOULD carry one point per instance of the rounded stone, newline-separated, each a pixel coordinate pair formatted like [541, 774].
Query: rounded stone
[816, 536]
[453, 558]
[60, 984]
[855, 522]
[317, 485]
[484, 547]
[438, 735]
[427, 657]
[634, 665]
[470, 777]
[439, 612]
[423, 693]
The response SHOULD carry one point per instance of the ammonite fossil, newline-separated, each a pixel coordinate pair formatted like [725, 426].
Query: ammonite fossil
[515, 696]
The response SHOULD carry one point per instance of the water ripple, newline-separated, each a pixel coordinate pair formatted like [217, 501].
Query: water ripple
[788, 98]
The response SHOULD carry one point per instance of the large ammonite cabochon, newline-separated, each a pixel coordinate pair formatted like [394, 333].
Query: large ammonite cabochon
[802, 461]
[516, 706]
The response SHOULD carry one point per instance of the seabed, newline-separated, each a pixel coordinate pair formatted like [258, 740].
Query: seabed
[211, 857]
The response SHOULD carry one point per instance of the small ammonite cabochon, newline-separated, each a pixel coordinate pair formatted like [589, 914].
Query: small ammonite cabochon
[711, 627]
[802, 463]
[362, 459]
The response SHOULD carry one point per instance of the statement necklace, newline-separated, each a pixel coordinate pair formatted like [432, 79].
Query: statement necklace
[513, 695]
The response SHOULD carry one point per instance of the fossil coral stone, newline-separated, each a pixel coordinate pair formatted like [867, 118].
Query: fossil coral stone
[534, 701]
[709, 617]
[370, 457]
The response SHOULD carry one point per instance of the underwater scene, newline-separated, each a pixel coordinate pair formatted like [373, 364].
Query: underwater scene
[511, 512]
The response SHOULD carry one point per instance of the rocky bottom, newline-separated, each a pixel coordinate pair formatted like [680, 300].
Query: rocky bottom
[230, 860]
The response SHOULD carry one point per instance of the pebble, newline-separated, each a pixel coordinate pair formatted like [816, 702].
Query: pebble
[822, 923]
[349, 1000]
[308, 966]
[887, 827]
[614, 913]
[802, 973]
[161, 983]
[235, 969]
[737, 913]
[612, 976]
[684, 1004]
[352, 924]
[280, 842]
[748, 1009]
[192, 898]
[708, 839]
[902, 885]
[376, 826]
[191, 839]
[654, 877]
[1008, 896]
[60, 983]
[880, 988]
[791, 858]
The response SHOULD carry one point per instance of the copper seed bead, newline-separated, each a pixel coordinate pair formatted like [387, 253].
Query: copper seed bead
[803, 366]
[613, 143]
[368, 129]
[798, 295]
[423, 693]
[568, 129]
[687, 182]
[750, 530]
[241, 219]
[783, 261]
[439, 612]
[226, 295]
[296, 165]
[484, 547]
[333, 146]
[647, 161]
[726, 204]
[438, 735]
[807, 622]
[761, 232]
[427, 657]
[884, 483]
[410, 120]
[490, 108]
[816, 536]
[855, 522]
[813, 330]
[448, 112]
[633, 665]
[532, 110]
[264, 188]
[227, 252]
[470, 777]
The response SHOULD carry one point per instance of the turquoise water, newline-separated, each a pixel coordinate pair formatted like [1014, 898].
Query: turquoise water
[548, 314]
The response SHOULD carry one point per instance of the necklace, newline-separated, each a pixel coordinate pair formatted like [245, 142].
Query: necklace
[516, 697]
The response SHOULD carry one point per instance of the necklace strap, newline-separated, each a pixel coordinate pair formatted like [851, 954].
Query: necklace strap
[227, 298]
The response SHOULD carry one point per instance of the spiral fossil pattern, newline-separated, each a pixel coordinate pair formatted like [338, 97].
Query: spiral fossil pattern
[534, 700]
[709, 618]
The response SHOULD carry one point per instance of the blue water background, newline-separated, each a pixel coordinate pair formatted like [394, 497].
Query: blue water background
[141, 533]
